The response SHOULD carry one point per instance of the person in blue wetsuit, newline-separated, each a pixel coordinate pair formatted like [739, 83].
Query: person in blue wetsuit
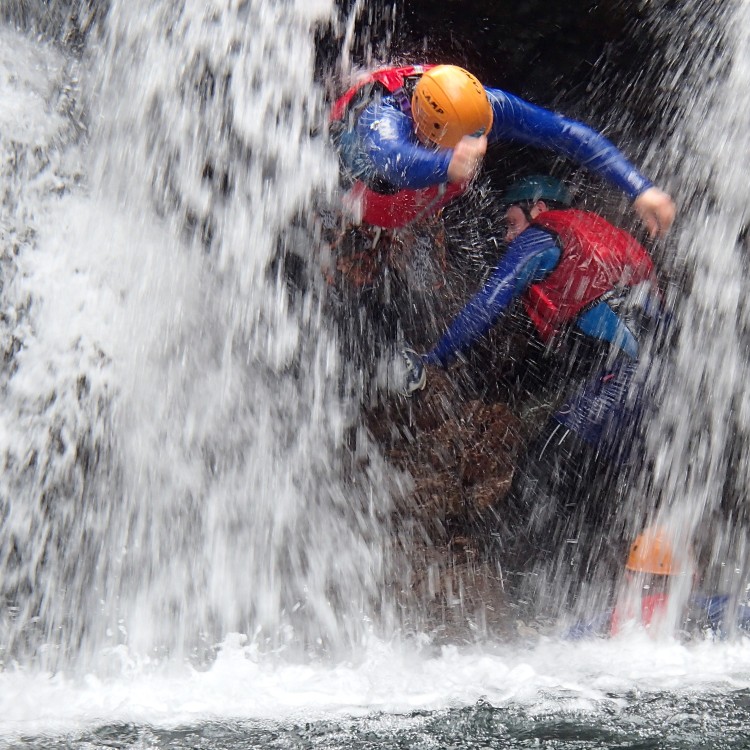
[572, 270]
[411, 139]
[587, 286]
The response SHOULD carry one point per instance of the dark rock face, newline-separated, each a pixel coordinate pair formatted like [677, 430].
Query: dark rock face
[535, 48]
[601, 61]
[460, 452]
[548, 52]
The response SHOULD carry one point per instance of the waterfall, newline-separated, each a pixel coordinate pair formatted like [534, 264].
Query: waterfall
[173, 431]
[693, 483]
[698, 441]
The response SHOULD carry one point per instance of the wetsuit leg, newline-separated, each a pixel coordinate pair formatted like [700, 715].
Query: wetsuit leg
[603, 409]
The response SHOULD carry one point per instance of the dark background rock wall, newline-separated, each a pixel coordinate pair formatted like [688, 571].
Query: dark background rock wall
[461, 441]
[600, 61]
[541, 50]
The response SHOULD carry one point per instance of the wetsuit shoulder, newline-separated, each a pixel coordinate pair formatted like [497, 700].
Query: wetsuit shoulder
[387, 140]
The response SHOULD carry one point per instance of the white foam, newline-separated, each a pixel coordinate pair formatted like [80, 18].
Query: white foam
[552, 676]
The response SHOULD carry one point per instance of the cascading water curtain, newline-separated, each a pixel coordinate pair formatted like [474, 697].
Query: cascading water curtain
[179, 471]
[683, 113]
[697, 438]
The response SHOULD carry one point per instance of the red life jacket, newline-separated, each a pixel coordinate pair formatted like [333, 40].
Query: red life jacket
[597, 258]
[653, 612]
[399, 208]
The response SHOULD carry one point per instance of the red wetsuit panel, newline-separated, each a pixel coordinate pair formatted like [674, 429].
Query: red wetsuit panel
[391, 78]
[401, 208]
[653, 607]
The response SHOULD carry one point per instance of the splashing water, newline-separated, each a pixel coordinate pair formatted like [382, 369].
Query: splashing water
[172, 430]
[687, 472]
[175, 478]
[697, 443]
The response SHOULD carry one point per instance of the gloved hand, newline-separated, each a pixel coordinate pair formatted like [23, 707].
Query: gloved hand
[416, 375]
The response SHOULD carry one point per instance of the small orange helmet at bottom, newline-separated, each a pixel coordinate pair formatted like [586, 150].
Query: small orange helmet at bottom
[652, 552]
[449, 103]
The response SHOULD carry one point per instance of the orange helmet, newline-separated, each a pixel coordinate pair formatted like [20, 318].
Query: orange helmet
[449, 103]
[651, 552]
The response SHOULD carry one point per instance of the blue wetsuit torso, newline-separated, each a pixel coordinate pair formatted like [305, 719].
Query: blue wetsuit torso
[387, 148]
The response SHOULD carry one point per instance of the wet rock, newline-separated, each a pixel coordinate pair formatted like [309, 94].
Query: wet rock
[457, 597]
[460, 452]
[460, 441]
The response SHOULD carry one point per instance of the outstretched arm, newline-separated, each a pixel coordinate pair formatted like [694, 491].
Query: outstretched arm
[529, 258]
[519, 120]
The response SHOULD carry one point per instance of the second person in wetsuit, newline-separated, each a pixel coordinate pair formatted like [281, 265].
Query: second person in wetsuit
[583, 280]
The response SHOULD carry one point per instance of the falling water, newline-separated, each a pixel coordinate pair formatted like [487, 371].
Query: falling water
[697, 440]
[172, 426]
[687, 470]
[172, 429]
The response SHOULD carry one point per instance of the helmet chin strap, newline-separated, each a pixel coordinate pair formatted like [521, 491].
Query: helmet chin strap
[526, 207]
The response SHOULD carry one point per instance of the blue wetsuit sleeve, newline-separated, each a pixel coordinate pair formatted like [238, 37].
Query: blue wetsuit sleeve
[516, 119]
[528, 259]
[602, 322]
[387, 140]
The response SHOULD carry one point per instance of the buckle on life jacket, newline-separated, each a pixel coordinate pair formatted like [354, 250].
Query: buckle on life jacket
[405, 92]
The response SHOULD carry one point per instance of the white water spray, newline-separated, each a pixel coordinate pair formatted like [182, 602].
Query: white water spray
[166, 470]
[172, 431]
[694, 482]
[700, 472]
